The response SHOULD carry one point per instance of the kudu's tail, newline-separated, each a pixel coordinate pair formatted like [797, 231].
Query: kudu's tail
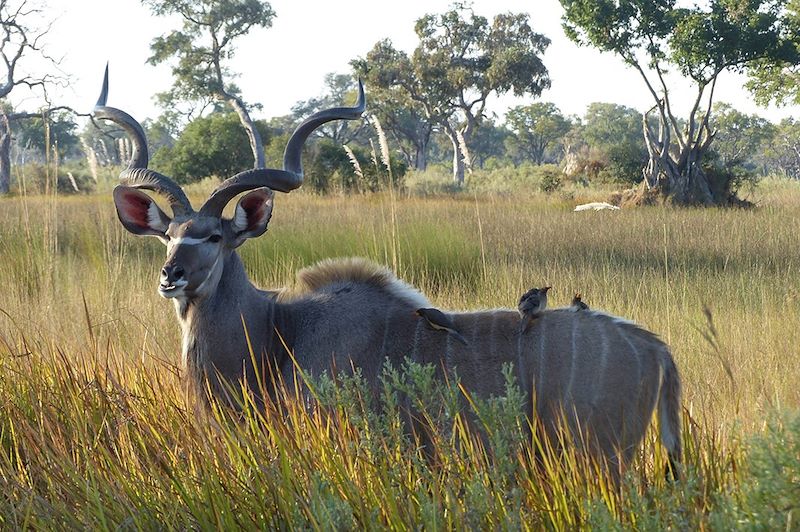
[669, 409]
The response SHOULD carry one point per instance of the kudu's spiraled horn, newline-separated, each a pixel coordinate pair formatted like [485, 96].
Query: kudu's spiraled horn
[291, 177]
[137, 174]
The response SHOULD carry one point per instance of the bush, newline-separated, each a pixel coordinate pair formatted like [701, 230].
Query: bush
[328, 168]
[551, 179]
[770, 489]
[432, 182]
[36, 178]
[214, 145]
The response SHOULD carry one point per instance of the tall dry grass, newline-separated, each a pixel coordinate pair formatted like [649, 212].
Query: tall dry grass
[95, 431]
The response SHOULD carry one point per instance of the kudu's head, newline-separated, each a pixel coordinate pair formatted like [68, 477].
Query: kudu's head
[199, 241]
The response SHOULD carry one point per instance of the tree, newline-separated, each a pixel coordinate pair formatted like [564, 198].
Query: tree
[700, 43]
[615, 131]
[408, 124]
[488, 142]
[202, 47]
[739, 136]
[338, 88]
[535, 128]
[778, 79]
[21, 39]
[460, 61]
[213, 145]
[781, 154]
[46, 130]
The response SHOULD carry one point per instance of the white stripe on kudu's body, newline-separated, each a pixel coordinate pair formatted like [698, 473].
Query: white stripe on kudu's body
[352, 313]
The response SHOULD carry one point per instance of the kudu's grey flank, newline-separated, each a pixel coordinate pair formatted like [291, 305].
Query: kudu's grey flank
[603, 375]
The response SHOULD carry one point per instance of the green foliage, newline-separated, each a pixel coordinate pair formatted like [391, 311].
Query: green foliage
[731, 162]
[700, 42]
[536, 128]
[203, 48]
[328, 168]
[616, 151]
[339, 88]
[782, 154]
[461, 59]
[551, 180]
[771, 496]
[435, 181]
[37, 178]
[526, 178]
[214, 145]
[60, 131]
[488, 142]
[204, 43]
[778, 80]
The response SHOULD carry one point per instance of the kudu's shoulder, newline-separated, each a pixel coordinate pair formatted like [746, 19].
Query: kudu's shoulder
[333, 274]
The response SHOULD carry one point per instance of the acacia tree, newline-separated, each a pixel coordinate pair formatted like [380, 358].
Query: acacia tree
[460, 61]
[21, 38]
[700, 43]
[202, 47]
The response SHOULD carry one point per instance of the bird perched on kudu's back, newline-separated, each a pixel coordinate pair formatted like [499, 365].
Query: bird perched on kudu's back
[440, 321]
[578, 304]
[532, 304]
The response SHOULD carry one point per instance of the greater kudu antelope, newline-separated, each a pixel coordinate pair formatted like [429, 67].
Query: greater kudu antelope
[603, 374]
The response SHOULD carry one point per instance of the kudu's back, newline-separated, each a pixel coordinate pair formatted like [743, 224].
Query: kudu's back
[600, 374]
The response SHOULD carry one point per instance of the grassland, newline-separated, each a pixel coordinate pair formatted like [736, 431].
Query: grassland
[95, 431]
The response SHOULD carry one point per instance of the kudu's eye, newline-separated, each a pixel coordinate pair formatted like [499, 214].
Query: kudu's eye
[214, 238]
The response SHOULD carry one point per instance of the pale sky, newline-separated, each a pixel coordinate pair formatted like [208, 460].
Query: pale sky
[287, 63]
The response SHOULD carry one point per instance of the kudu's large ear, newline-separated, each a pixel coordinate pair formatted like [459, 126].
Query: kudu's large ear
[252, 215]
[139, 213]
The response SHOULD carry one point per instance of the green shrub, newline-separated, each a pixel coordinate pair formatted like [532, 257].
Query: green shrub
[70, 178]
[550, 180]
[771, 488]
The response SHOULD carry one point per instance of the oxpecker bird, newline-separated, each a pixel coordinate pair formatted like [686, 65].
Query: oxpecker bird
[577, 304]
[531, 305]
[440, 321]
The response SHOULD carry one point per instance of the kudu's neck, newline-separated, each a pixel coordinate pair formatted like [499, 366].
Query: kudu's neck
[237, 324]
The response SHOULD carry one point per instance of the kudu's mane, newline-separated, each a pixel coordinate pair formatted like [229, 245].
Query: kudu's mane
[361, 271]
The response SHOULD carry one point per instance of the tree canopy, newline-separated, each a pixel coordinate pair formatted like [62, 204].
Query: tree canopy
[536, 127]
[202, 48]
[699, 43]
[23, 30]
[460, 61]
[777, 79]
[213, 145]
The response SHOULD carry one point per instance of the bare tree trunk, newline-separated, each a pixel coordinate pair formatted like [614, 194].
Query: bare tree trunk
[422, 148]
[458, 160]
[256, 144]
[678, 175]
[421, 158]
[5, 155]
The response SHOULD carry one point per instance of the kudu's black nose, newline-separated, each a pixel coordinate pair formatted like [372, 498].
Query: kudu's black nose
[170, 274]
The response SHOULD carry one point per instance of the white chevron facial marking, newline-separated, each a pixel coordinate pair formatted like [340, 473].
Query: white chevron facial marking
[188, 241]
